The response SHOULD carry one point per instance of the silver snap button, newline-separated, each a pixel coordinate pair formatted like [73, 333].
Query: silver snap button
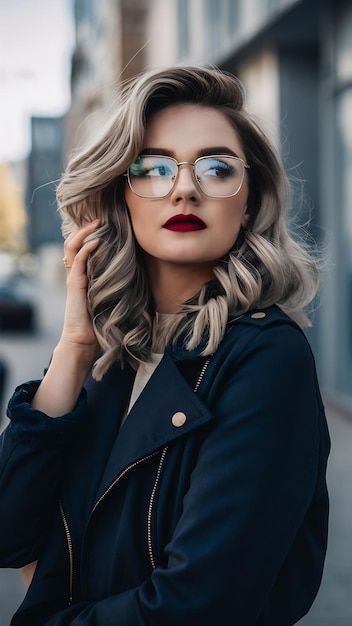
[259, 315]
[178, 419]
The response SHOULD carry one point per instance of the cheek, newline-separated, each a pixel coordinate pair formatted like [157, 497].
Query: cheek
[229, 224]
[135, 210]
[229, 237]
[142, 227]
[233, 217]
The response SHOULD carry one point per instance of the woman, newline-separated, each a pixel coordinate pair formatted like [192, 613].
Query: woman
[170, 467]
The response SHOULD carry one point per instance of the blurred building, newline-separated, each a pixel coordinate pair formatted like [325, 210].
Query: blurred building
[44, 170]
[294, 58]
[110, 48]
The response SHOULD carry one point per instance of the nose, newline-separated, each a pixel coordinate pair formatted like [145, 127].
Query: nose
[185, 187]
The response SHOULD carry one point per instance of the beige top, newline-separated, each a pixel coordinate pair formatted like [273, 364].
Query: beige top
[144, 373]
[146, 370]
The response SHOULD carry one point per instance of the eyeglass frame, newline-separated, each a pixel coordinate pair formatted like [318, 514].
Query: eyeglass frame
[178, 163]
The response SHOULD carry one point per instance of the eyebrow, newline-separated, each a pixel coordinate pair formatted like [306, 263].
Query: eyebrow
[202, 152]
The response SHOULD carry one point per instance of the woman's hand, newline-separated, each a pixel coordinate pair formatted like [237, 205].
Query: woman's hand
[74, 355]
[78, 329]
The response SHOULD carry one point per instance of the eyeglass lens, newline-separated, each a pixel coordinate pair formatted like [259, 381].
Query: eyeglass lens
[218, 176]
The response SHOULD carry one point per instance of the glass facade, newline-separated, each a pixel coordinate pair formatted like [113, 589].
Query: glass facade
[342, 96]
[222, 20]
[315, 104]
[295, 59]
[344, 144]
[183, 35]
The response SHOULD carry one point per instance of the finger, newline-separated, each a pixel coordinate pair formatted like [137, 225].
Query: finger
[87, 248]
[79, 261]
[75, 241]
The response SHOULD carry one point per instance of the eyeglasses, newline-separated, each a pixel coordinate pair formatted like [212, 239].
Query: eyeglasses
[218, 175]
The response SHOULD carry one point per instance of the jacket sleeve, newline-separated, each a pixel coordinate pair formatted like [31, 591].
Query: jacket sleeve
[255, 514]
[31, 455]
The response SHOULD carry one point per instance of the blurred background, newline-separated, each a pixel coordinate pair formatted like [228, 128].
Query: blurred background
[61, 64]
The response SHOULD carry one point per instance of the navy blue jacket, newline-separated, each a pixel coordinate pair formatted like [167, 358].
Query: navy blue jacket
[221, 519]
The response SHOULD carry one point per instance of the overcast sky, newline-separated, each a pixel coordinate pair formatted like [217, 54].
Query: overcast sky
[36, 43]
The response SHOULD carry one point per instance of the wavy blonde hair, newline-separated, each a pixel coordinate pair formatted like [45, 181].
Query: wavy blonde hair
[265, 265]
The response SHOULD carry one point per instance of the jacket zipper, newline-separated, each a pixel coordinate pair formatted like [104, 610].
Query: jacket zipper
[123, 473]
[158, 474]
[150, 508]
[201, 374]
[66, 526]
[70, 552]
[112, 485]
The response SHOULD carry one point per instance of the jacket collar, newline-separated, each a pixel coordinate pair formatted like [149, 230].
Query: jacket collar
[149, 426]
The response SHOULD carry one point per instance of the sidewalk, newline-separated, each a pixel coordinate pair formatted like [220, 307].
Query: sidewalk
[333, 605]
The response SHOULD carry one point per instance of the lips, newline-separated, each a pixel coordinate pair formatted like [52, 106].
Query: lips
[184, 223]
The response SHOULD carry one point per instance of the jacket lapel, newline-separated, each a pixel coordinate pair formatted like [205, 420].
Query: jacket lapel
[150, 425]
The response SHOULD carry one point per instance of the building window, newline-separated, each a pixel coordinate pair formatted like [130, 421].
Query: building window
[344, 45]
[221, 22]
[45, 133]
[183, 29]
[343, 108]
[213, 17]
[232, 16]
[344, 191]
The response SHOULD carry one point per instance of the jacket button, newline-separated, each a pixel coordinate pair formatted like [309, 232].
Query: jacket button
[259, 315]
[178, 419]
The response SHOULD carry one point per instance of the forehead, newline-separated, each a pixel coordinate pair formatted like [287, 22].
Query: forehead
[191, 127]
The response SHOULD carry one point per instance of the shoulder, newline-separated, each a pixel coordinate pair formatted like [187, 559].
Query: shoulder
[263, 321]
[265, 357]
[265, 336]
[269, 333]
[263, 318]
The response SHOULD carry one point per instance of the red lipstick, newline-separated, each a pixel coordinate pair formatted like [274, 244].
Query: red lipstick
[184, 223]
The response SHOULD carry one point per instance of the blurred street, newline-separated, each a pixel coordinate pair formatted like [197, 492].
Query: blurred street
[28, 355]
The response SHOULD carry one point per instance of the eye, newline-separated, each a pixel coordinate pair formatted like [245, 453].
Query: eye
[217, 168]
[149, 166]
[161, 170]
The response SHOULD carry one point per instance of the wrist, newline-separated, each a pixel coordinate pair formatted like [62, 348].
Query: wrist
[64, 379]
[75, 355]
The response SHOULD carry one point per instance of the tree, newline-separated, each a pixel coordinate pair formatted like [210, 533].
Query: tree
[13, 217]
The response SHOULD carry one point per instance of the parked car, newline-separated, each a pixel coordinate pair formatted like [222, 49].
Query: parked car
[17, 311]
